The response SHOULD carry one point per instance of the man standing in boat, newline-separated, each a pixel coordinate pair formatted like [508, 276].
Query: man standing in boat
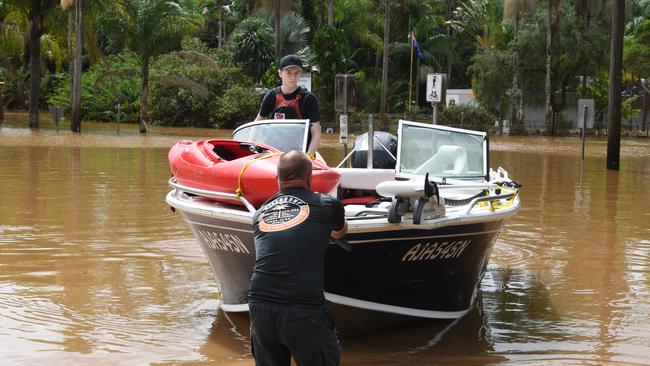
[291, 101]
[292, 231]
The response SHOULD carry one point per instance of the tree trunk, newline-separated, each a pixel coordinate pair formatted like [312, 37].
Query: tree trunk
[35, 31]
[144, 96]
[615, 84]
[547, 84]
[330, 14]
[75, 123]
[644, 112]
[276, 15]
[516, 91]
[321, 13]
[384, 69]
[70, 52]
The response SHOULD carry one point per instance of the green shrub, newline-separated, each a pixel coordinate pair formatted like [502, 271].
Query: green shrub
[193, 88]
[467, 116]
[114, 80]
[236, 106]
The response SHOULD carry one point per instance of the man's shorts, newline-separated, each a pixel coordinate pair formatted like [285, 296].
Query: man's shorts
[281, 331]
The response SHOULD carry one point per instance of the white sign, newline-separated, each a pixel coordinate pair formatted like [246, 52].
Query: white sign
[343, 129]
[305, 80]
[453, 99]
[590, 112]
[434, 88]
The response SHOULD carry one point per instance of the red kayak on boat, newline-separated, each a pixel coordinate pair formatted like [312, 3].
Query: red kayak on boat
[237, 167]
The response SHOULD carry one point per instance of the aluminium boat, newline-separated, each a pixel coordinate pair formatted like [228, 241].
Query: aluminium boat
[420, 232]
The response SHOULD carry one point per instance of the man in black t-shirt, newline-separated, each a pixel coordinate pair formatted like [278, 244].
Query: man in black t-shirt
[291, 101]
[286, 299]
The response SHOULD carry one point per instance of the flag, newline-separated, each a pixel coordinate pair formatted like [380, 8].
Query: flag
[414, 43]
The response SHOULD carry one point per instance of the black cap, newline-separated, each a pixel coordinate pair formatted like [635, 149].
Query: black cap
[290, 61]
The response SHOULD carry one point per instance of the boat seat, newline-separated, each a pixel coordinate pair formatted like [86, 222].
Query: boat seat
[449, 159]
[224, 153]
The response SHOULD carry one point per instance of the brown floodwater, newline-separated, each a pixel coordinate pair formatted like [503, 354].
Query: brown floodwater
[95, 269]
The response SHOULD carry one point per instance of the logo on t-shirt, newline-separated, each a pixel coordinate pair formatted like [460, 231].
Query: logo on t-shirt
[278, 115]
[283, 213]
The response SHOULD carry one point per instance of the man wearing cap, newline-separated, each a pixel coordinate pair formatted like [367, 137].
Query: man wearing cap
[290, 101]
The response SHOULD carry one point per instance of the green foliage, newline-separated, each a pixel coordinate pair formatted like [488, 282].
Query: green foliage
[293, 34]
[231, 97]
[237, 105]
[598, 90]
[253, 42]
[331, 51]
[368, 92]
[481, 19]
[149, 27]
[114, 80]
[491, 79]
[15, 91]
[467, 116]
[637, 51]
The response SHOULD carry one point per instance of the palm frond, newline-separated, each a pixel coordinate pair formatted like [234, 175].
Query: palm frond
[186, 83]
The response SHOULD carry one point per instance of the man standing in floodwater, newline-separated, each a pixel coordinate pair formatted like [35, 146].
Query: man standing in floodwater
[291, 101]
[292, 230]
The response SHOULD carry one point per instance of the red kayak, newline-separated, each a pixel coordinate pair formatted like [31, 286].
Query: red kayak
[230, 166]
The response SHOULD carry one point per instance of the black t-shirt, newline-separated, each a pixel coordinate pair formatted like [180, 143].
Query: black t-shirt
[308, 106]
[292, 232]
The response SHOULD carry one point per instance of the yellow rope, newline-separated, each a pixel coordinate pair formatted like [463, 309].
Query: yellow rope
[495, 204]
[240, 192]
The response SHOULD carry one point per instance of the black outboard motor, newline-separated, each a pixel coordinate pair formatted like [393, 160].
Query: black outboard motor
[381, 158]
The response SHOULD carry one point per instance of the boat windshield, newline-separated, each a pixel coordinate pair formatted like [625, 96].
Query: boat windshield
[284, 135]
[441, 151]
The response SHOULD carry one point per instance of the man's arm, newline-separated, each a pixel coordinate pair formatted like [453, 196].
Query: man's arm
[265, 106]
[315, 138]
[338, 215]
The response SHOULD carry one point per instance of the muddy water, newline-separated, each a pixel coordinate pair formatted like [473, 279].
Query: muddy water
[96, 270]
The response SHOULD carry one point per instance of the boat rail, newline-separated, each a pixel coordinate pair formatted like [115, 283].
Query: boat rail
[488, 199]
[202, 192]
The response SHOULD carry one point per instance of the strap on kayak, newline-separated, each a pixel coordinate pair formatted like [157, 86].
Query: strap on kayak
[240, 192]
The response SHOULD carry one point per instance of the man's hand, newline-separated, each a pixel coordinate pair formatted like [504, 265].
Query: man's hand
[338, 234]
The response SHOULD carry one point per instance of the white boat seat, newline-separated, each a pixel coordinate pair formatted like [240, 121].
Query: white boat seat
[449, 159]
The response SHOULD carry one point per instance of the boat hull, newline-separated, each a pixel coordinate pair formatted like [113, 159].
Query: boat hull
[431, 273]
[228, 246]
[428, 273]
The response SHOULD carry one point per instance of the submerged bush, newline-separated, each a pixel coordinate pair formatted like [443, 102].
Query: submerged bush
[467, 116]
[114, 80]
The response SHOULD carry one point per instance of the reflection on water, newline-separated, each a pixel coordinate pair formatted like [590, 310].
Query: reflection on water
[95, 269]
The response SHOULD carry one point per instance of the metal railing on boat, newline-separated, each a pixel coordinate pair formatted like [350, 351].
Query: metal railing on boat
[488, 199]
[213, 194]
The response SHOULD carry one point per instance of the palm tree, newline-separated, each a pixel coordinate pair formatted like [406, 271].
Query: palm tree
[481, 19]
[552, 25]
[75, 123]
[150, 28]
[252, 39]
[275, 9]
[516, 10]
[36, 12]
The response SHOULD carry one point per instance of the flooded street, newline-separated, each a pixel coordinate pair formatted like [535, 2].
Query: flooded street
[95, 269]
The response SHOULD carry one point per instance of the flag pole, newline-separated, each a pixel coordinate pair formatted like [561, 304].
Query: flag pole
[410, 72]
